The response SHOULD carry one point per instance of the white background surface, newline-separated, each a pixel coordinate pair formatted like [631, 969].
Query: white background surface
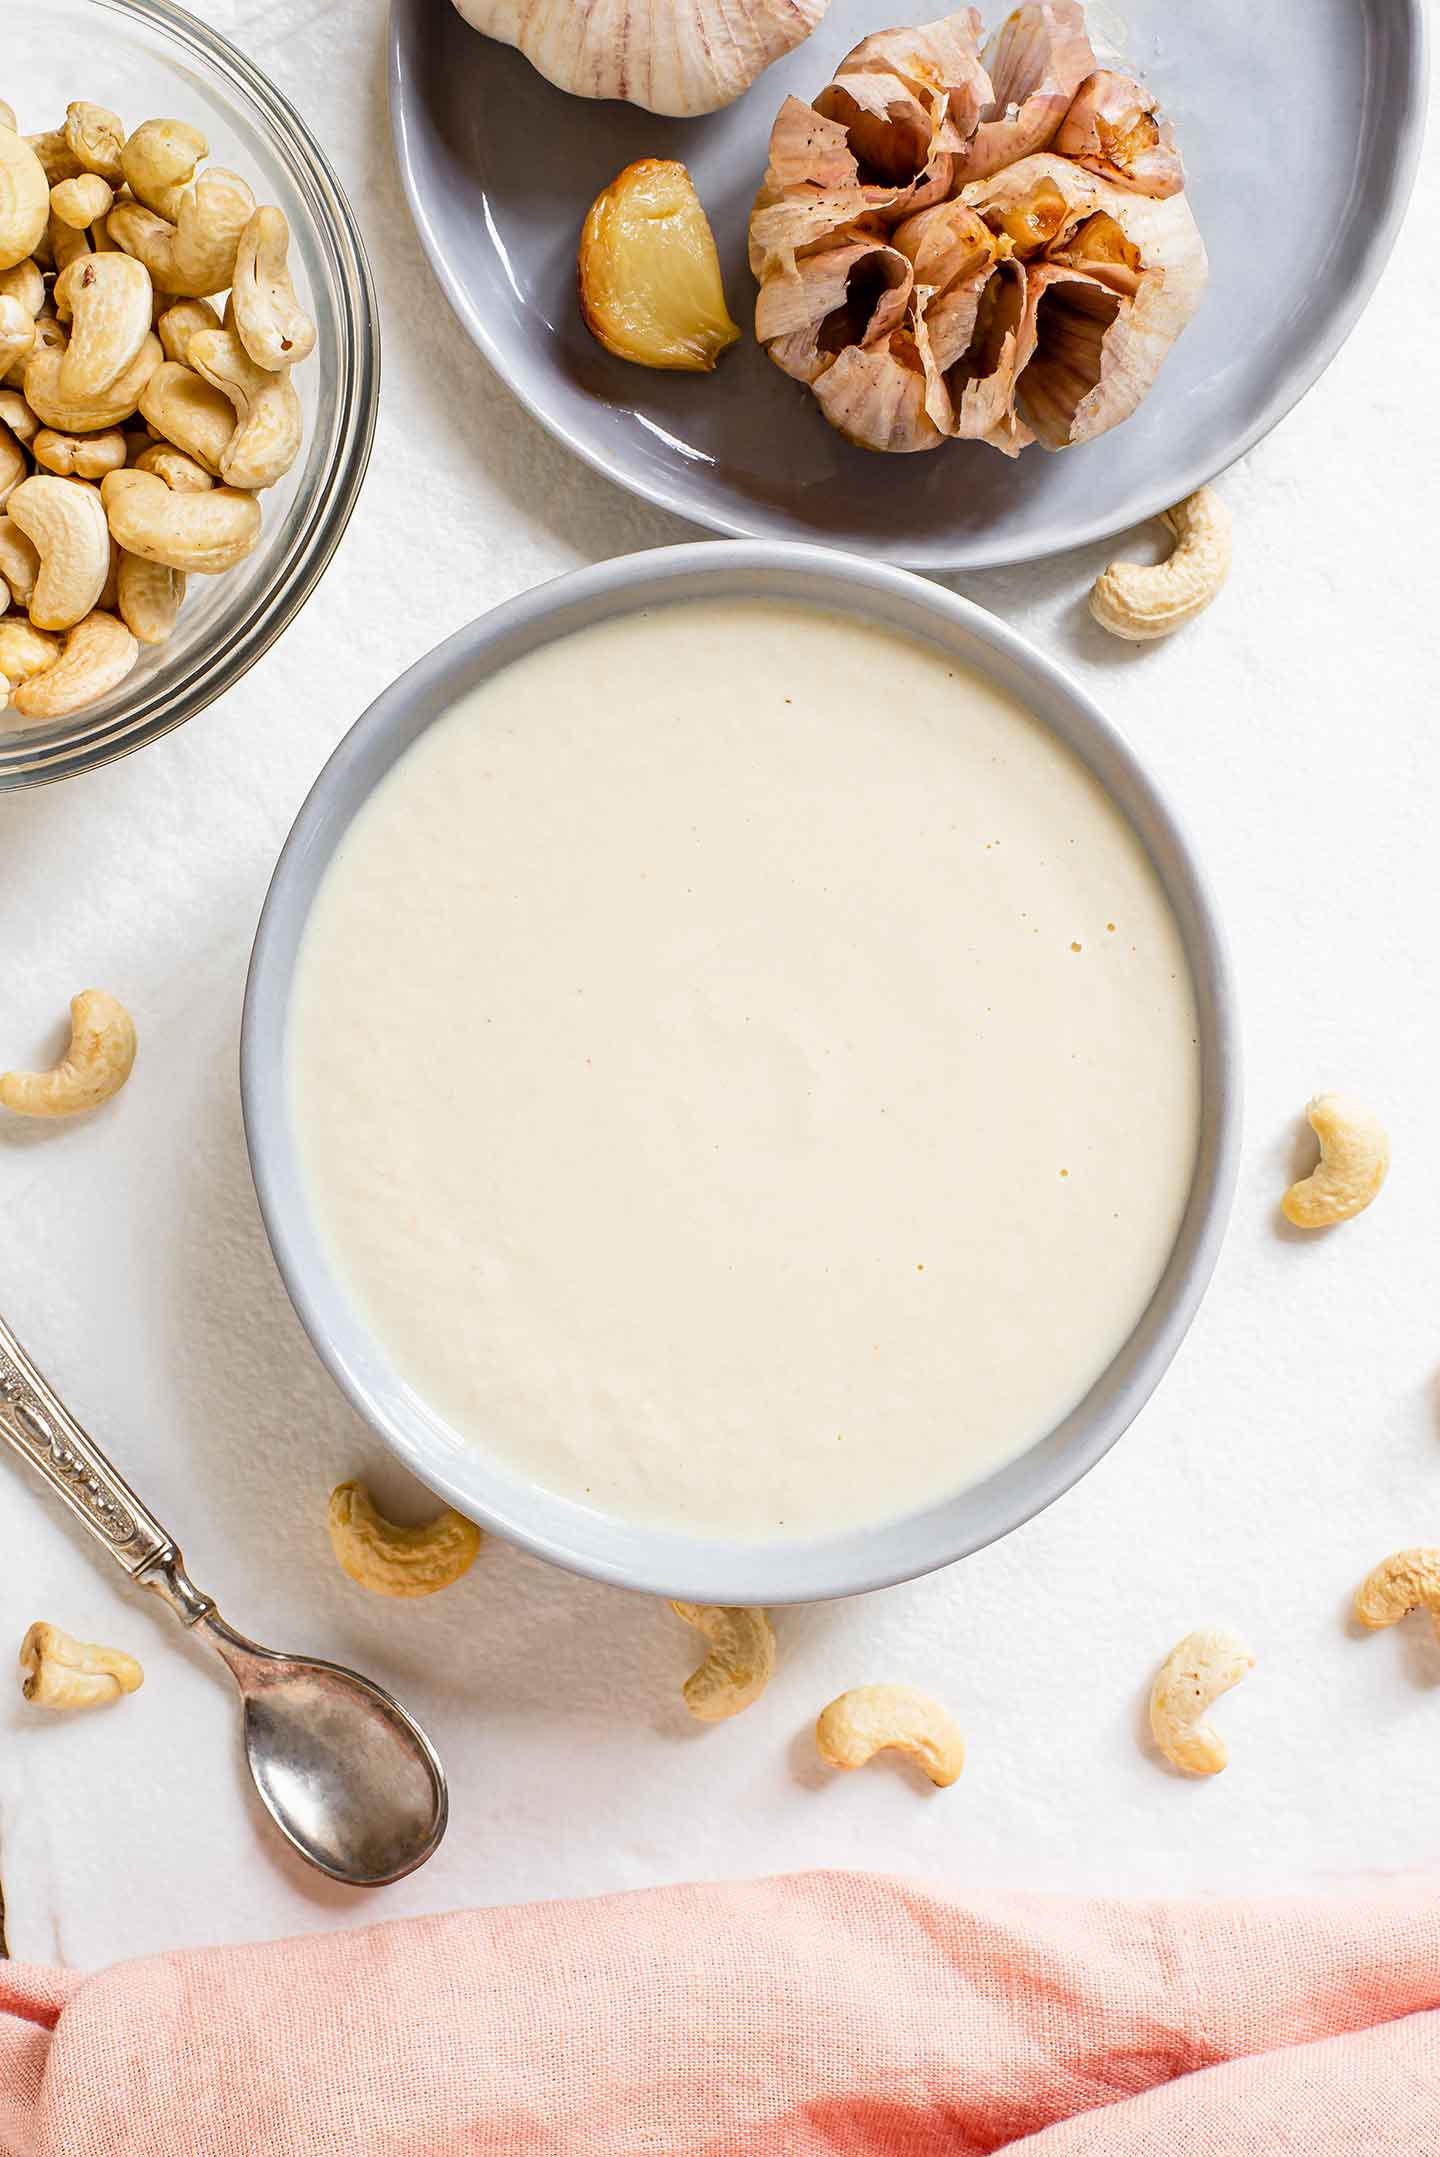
[1295, 1441]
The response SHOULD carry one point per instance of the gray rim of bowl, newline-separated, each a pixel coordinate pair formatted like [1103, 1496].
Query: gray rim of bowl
[717, 1572]
[172, 699]
[1289, 388]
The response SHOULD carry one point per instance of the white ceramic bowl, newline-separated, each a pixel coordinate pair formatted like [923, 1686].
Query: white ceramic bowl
[657, 1561]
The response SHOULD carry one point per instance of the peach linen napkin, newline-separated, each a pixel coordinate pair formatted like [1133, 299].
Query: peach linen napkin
[823, 2013]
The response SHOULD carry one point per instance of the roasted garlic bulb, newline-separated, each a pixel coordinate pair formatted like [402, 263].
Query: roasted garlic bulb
[650, 285]
[989, 245]
[672, 56]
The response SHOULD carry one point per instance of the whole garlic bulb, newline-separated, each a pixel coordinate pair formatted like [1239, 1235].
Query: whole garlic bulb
[672, 56]
[933, 269]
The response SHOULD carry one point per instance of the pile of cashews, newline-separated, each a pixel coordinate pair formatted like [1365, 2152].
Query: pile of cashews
[138, 422]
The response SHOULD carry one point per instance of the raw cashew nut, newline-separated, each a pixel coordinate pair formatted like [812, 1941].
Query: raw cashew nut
[190, 412]
[96, 137]
[59, 1672]
[390, 1560]
[17, 333]
[179, 472]
[97, 655]
[739, 1665]
[19, 562]
[178, 323]
[79, 202]
[196, 255]
[7, 117]
[274, 328]
[1138, 602]
[24, 650]
[24, 199]
[96, 1065]
[17, 415]
[204, 532]
[267, 411]
[106, 301]
[1354, 1162]
[149, 597]
[13, 467]
[81, 456]
[89, 415]
[25, 282]
[49, 337]
[873, 1719]
[159, 162]
[1407, 1580]
[57, 160]
[64, 244]
[65, 521]
[1191, 1679]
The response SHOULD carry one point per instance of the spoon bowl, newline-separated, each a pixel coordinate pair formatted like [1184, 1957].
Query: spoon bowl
[352, 1783]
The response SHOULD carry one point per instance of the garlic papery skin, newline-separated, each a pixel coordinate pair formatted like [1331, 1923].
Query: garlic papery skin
[875, 396]
[850, 295]
[1036, 62]
[678, 57]
[1114, 128]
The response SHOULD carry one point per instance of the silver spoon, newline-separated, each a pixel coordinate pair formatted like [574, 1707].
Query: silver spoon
[350, 1780]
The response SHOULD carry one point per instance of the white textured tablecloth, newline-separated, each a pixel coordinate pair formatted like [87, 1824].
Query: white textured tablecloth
[1296, 1439]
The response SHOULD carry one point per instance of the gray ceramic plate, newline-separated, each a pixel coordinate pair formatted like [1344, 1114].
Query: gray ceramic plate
[656, 1560]
[1300, 121]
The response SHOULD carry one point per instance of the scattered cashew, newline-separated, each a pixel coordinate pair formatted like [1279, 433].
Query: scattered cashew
[25, 282]
[79, 202]
[1191, 1679]
[180, 472]
[49, 337]
[159, 162]
[1407, 1580]
[13, 466]
[106, 301]
[17, 333]
[97, 655]
[206, 533]
[178, 323]
[59, 1672]
[17, 415]
[88, 415]
[196, 255]
[390, 1560]
[871, 1719]
[96, 1065]
[7, 117]
[83, 456]
[64, 244]
[96, 137]
[19, 561]
[274, 328]
[149, 597]
[268, 426]
[24, 650]
[739, 1665]
[57, 160]
[1354, 1162]
[1138, 602]
[64, 519]
[190, 412]
[24, 199]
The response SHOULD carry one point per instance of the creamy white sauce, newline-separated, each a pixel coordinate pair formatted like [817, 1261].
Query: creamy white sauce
[745, 1071]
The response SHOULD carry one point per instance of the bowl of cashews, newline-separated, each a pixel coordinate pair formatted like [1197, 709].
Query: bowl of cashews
[189, 372]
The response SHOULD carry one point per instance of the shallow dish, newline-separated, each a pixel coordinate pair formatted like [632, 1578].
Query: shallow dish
[571, 1534]
[1331, 97]
[145, 57]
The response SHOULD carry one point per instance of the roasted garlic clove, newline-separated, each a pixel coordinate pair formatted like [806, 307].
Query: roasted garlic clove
[691, 56]
[650, 285]
[973, 341]
[1035, 63]
[1114, 128]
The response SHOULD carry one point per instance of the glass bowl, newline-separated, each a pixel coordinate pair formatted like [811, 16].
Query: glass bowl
[146, 58]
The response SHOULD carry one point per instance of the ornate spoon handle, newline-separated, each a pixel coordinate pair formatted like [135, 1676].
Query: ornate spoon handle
[41, 1429]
